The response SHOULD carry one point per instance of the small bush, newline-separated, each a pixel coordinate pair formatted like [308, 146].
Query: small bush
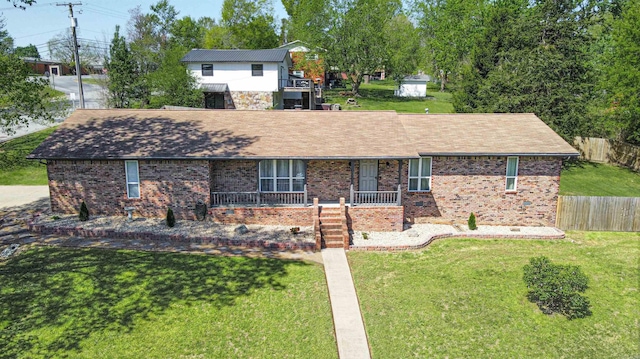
[472, 222]
[365, 235]
[171, 219]
[555, 288]
[294, 230]
[84, 212]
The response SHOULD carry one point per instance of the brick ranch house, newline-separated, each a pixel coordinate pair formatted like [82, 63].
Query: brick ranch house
[269, 167]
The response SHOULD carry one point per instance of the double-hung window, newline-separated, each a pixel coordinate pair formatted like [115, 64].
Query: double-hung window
[133, 179]
[207, 69]
[420, 174]
[256, 70]
[512, 173]
[282, 175]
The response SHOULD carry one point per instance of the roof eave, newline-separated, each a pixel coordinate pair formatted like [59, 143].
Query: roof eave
[521, 154]
[212, 158]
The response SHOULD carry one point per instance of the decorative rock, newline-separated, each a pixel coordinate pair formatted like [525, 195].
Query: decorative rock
[412, 233]
[241, 229]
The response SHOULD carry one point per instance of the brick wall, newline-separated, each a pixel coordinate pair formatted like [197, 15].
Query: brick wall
[375, 218]
[286, 216]
[234, 176]
[461, 185]
[328, 180]
[102, 185]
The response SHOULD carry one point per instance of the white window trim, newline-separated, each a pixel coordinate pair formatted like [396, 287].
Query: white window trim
[261, 70]
[419, 176]
[126, 173]
[275, 177]
[515, 178]
[202, 70]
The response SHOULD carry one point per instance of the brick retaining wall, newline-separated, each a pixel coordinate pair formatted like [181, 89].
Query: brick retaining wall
[376, 218]
[102, 233]
[286, 216]
[453, 235]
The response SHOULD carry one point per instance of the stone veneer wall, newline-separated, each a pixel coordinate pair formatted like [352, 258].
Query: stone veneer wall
[252, 100]
[461, 185]
[102, 185]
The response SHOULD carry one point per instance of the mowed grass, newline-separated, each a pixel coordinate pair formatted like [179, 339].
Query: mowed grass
[15, 169]
[584, 178]
[465, 298]
[128, 304]
[378, 95]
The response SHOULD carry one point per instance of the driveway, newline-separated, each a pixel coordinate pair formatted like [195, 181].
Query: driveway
[11, 196]
[66, 84]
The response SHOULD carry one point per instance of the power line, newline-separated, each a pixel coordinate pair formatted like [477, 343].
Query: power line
[30, 6]
[40, 33]
[106, 14]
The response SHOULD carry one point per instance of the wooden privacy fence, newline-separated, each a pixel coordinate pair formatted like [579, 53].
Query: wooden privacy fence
[609, 151]
[620, 214]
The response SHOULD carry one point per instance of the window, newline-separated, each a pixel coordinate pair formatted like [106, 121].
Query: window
[420, 174]
[282, 176]
[512, 173]
[133, 180]
[207, 69]
[256, 70]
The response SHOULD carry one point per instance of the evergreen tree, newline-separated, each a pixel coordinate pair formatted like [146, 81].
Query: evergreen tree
[622, 76]
[531, 57]
[121, 69]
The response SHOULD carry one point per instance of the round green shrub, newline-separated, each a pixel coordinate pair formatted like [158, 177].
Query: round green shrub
[555, 288]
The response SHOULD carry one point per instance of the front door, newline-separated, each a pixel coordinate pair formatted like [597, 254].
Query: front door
[368, 175]
[214, 100]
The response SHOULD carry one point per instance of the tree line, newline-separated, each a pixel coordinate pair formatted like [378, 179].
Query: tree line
[574, 63]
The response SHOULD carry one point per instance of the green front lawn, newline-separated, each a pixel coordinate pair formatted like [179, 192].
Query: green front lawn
[583, 178]
[128, 304]
[465, 298]
[15, 169]
[378, 95]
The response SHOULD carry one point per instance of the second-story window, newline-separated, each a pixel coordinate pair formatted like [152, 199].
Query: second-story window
[207, 69]
[256, 70]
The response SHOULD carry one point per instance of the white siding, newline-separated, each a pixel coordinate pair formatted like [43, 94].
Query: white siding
[412, 90]
[238, 75]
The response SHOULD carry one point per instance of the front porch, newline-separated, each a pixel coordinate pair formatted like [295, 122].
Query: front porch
[301, 199]
[343, 195]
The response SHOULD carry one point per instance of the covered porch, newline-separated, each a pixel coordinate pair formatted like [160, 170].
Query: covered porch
[295, 183]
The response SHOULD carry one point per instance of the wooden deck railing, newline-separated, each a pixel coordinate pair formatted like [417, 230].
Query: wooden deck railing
[258, 198]
[375, 198]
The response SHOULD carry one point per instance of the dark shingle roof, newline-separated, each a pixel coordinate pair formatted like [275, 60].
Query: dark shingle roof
[268, 55]
[236, 134]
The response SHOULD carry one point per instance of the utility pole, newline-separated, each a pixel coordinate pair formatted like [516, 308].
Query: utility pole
[74, 24]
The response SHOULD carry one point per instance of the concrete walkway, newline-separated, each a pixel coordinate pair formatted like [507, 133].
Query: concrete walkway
[347, 319]
[11, 196]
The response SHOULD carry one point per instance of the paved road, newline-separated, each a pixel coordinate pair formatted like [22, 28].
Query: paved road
[66, 84]
[92, 93]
